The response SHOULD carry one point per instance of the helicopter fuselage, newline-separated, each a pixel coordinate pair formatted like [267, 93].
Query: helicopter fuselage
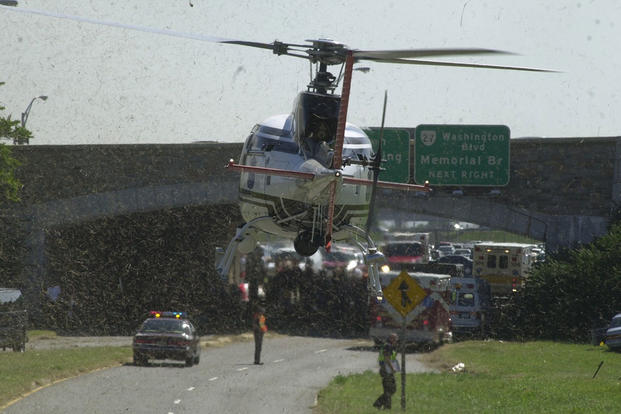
[299, 206]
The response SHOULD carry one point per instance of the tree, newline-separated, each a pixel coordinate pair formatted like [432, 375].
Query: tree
[10, 130]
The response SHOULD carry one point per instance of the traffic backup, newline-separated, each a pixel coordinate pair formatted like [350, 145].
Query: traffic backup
[166, 335]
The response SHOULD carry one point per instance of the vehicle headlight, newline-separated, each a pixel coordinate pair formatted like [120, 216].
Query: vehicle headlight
[385, 268]
[352, 265]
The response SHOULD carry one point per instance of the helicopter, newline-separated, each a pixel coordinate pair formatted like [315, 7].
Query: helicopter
[309, 175]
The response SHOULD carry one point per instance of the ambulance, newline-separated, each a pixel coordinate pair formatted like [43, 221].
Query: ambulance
[506, 266]
[470, 305]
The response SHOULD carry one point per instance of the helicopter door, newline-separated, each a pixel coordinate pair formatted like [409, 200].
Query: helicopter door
[254, 156]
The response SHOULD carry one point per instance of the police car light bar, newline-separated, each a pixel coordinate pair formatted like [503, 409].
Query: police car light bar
[168, 314]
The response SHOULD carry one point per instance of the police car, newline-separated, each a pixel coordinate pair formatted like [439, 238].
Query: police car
[166, 335]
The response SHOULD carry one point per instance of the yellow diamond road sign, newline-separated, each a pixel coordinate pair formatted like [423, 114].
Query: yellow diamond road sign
[404, 293]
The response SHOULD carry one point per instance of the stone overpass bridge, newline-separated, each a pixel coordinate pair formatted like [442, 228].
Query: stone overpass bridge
[561, 191]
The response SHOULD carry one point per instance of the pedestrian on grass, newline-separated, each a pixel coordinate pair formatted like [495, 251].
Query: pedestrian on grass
[388, 366]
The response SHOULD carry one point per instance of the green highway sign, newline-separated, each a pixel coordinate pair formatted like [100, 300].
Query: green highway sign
[396, 152]
[462, 155]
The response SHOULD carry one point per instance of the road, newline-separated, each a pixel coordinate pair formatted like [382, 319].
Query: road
[225, 381]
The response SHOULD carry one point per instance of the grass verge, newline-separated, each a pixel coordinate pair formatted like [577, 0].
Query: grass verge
[21, 373]
[507, 377]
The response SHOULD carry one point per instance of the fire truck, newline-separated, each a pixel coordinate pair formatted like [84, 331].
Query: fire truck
[406, 248]
[428, 320]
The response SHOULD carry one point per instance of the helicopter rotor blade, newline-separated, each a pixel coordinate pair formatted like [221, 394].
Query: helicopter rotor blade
[421, 53]
[376, 168]
[461, 64]
[119, 25]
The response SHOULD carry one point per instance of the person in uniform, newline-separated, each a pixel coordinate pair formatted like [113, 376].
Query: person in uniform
[258, 329]
[388, 364]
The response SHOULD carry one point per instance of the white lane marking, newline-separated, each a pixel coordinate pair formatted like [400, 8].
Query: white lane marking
[176, 401]
[242, 369]
[320, 351]
[212, 379]
[170, 412]
[279, 360]
[192, 388]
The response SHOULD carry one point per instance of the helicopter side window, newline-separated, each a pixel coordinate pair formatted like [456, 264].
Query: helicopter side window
[357, 148]
[276, 141]
[253, 145]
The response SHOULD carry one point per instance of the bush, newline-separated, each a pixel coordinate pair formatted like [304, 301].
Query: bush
[572, 293]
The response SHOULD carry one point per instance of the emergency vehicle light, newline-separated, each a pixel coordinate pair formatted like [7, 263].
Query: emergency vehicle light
[167, 314]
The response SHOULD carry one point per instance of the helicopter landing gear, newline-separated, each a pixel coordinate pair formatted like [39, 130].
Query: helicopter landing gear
[306, 244]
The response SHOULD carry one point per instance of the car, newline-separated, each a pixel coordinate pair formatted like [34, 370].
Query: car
[463, 252]
[342, 259]
[166, 335]
[613, 334]
[458, 259]
[445, 250]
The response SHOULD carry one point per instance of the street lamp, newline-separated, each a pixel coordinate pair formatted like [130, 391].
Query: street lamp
[27, 111]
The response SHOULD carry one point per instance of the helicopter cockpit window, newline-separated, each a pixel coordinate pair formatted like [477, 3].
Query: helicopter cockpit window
[267, 139]
[316, 120]
[321, 129]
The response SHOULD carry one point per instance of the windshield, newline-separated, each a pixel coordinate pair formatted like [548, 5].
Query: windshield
[163, 325]
[403, 249]
[463, 299]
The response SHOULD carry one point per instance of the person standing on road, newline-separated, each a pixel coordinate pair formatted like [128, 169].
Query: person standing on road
[258, 329]
[388, 366]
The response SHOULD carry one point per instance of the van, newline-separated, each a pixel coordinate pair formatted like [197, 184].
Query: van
[469, 306]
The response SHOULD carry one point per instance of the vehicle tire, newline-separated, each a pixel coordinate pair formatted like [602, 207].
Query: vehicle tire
[197, 359]
[189, 361]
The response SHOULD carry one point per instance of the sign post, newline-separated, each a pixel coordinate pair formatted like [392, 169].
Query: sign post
[403, 326]
[404, 294]
[462, 155]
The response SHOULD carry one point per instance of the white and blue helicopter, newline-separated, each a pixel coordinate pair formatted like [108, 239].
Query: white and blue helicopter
[309, 176]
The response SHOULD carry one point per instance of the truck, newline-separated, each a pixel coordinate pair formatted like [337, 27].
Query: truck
[428, 323]
[505, 266]
[13, 320]
[469, 306]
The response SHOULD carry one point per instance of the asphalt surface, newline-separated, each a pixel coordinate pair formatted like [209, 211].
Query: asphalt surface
[225, 381]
